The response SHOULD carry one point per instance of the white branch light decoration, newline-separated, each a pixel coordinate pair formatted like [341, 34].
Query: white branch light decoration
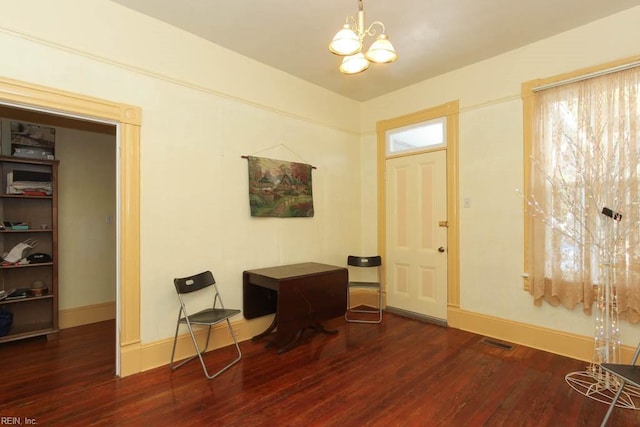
[609, 181]
[348, 43]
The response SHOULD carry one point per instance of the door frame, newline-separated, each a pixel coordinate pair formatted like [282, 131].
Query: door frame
[127, 119]
[451, 111]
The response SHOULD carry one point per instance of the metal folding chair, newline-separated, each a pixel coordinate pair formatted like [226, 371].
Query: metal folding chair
[357, 262]
[628, 374]
[207, 317]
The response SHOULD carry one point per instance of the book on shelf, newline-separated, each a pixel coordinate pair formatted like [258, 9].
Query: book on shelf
[17, 294]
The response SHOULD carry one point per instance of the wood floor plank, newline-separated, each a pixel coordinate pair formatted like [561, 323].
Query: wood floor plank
[401, 372]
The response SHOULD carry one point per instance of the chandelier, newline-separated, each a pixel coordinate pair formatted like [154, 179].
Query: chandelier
[348, 43]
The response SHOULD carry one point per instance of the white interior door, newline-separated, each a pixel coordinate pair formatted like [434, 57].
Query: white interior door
[416, 264]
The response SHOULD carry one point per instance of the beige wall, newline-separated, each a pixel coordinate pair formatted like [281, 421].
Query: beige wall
[491, 162]
[202, 108]
[111, 35]
[87, 196]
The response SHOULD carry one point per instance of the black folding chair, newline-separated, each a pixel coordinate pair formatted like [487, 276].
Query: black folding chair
[358, 262]
[628, 374]
[207, 317]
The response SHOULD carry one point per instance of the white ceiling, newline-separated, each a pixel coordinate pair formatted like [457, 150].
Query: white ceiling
[430, 36]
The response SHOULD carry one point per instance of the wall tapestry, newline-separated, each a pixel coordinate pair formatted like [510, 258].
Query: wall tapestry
[279, 189]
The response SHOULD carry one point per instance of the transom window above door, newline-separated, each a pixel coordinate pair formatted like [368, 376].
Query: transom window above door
[426, 135]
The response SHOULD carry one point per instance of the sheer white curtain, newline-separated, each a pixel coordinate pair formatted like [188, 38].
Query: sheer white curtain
[586, 157]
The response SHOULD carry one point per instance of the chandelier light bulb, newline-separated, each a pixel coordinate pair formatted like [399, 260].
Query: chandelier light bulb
[382, 51]
[345, 42]
[354, 64]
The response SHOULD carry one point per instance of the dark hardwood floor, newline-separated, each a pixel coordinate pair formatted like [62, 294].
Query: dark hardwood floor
[400, 373]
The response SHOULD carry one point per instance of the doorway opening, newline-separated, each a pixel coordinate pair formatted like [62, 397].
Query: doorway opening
[87, 241]
[126, 119]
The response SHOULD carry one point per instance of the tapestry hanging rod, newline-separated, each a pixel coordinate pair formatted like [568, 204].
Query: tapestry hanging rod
[246, 157]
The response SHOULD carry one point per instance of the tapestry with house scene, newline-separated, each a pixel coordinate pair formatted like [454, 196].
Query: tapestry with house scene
[279, 188]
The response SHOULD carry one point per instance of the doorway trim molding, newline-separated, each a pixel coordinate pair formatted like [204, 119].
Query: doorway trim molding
[451, 111]
[128, 119]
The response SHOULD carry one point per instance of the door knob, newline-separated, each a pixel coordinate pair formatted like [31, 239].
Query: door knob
[441, 249]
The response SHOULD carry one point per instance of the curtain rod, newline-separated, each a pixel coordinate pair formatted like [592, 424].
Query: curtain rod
[588, 76]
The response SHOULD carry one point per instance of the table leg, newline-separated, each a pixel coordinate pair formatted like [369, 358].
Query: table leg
[268, 331]
[291, 343]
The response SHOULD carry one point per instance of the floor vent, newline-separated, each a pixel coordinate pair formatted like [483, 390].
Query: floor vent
[497, 343]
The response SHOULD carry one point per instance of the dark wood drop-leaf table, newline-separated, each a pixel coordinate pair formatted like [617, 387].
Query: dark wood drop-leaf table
[301, 296]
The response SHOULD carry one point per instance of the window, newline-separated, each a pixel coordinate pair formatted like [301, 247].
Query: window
[585, 160]
[429, 134]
